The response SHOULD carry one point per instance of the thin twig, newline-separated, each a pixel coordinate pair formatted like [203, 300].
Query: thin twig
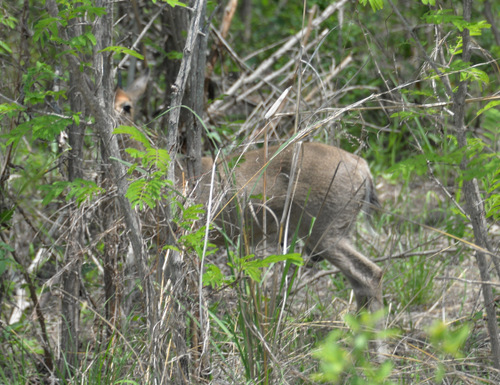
[142, 34]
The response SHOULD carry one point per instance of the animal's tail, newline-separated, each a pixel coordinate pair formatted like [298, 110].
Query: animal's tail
[371, 201]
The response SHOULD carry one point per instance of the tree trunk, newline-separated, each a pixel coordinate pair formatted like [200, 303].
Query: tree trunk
[174, 268]
[71, 277]
[474, 202]
[196, 98]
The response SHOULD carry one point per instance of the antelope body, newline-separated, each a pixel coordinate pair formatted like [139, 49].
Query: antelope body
[324, 182]
[330, 185]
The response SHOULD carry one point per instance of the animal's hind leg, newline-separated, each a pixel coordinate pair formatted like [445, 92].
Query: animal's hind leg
[363, 274]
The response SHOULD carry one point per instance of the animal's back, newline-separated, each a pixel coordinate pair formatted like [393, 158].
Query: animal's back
[329, 184]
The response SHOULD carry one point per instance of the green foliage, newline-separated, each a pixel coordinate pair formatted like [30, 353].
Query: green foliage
[447, 342]
[41, 127]
[134, 133]
[6, 216]
[256, 320]
[465, 71]
[253, 267]
[190, 215]
[147, 192]
[79, 189]
[192, 238]
[375, 4]
[343, 355]
[40, 73]
[173, 3]
[248, 266]
[449, 16]
[47, 28]
[474, 74]
[409, 114]
[481, 165]
[10, 108]
[19, 357]
[492, 200]
[151, 187]
[151, 159]
[123, 50]
[412, 280]
[5, 259]
[174, 55]
[214, 277]
[8, 21]
[490, 131]
[488, 106]
[445, 16]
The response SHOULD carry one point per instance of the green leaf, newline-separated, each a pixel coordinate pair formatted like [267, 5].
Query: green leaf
[294, 258]
[8, 21]
[48, 127]
[375, 4]
[193, 213]
[174, 3]
[45, 28]
[123, 50]
[213, 276]
[83, 190]
[253, 266]
[6, 108]
[488, 106]
[475, 74]
[441, 16]
[79, 189]
[41, 127]
[334, 360]
[134, 153]
[134, 133]
[409, 114]
[158, 159]
[449, 341]
[174, 55]
[144, 192]
[5, 47]
[173, 248]
[90, 37]
[53, 191]
[5, 216]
